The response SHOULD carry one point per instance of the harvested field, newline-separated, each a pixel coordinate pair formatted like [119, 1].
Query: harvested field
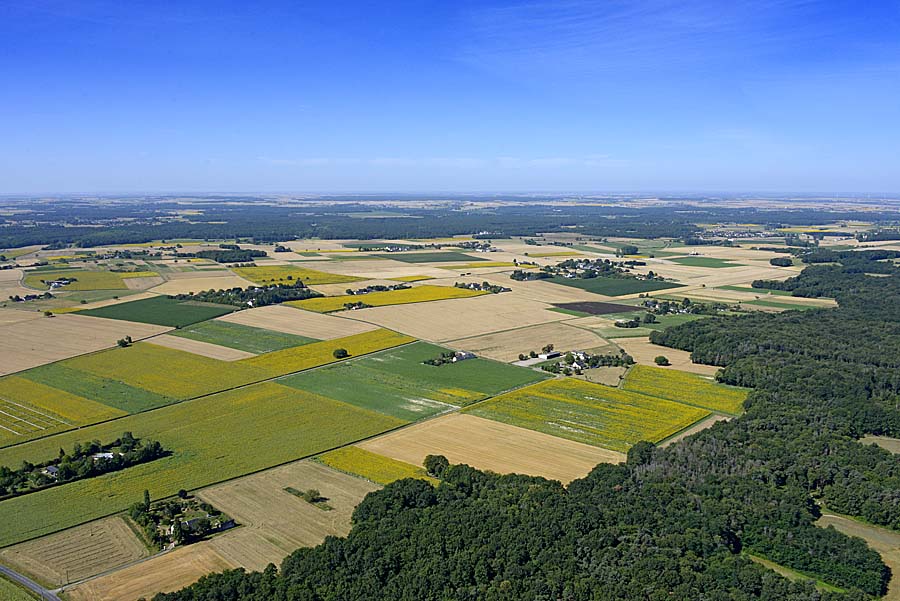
[397, 383]
[34, 342]
[300, 323]
[691, 389]
[162, 310]
[112, 393]
[644, 352]
[461, 318]
[594, 308]
[275, 522]
[167, 372]
[506, 346]
[431, 257]
[590, 413]
[412, 278]
[703, 424]
[198, 347]
[213, 438]
[486, 265]
[491, 445]
[161, 574]
[252, 341]
[199, 281]
[885, 442]
[416, 294]
[77, 553]
[885, 542]
[281, 274]
[614, 286]
[372, 466]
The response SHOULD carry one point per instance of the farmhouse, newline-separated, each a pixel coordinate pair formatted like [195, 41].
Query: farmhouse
[51, 471]
[550, 355]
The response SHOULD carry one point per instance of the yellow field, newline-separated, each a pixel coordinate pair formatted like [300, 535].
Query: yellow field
[412, 278]
[166, 371]
[372, 466]
[418, 294]
[137, 274]
[86, 280]
[480, 264]
[29, 409]
[321, 353]
[591, 413]
[76, 553]
[685, 388]
[281, 274]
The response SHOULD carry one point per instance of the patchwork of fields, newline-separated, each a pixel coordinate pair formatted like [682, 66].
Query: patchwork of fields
[614, 286]
[372, 466]
[685, 388]
[417, 294]
[284, 274]
[161, 310]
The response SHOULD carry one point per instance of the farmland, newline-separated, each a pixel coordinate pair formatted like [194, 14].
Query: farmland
[431, 257]
[707, 262]
[507, 345]
[372, 466]
[492, 445]
[204, 349]
[161, 310]
[592, 308]
[590, 413]
[76, 553]
[417, 294]
[306, 324]
[397, 383]
[686, 388]
[283, 274]
[614, 286]
[213, 438]
[12, 592]
[486, 264]
[242, 337]
[112, 393]
[85, 280]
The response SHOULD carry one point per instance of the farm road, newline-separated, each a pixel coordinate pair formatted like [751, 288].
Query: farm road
[29, 584]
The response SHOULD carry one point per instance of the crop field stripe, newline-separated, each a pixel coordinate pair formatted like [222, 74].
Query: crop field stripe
[417, 294]
[685, 388]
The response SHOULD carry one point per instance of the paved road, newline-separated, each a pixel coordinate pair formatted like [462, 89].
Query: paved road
[29, 584]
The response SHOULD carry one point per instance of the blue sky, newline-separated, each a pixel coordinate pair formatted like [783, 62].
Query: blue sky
[642, 95]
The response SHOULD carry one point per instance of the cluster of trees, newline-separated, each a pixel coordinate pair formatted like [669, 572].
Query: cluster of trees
[524, 275]
[665, 307]
[376, 288]
[485, 286]
[672, 523]
[577, 362]
[443, 359]
[230, 255]
[178, 521]
[356, 305]
[83, 461]
[781, 261]
[255, 296]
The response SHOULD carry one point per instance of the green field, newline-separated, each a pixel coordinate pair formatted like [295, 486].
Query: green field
[710, 262]
[372, 466]
[686, 388]
[397, 383]
[86, 280]
[590, 413]
[241, 337]
[431, 257]
[614, 286]
[112, 393]
[12, 592]
[167, 372]
[212, 439]
[161, 310]
[760, 291]
[283, 274]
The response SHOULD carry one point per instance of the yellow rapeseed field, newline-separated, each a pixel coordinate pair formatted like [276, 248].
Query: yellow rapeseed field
[418, 294]
[71, 408]
[282, 274]
[590, 413]
[307, 356]
[685, 388]
[372, 466]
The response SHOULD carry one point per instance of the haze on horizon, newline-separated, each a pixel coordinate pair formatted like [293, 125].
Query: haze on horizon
[788, 95]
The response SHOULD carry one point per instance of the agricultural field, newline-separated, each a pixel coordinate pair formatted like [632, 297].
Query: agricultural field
[486, 264]
[590, 413]
[12, 592]
[168, 372]
[614, 286]
[885, 442]
[321, 353]
[397, 383]
[289, 320]
[274, 522]
[412, 278]
[200, 279]
[431, 257]
[204, 349]
[686, 388]
[77, 553]
[506, 346]
[705, 262]
[33, 340]
[593, 308]
[212, 439]
[86, 280]
[491, 445]
[110, 392]
[372, 466]
[561, 253]
[29, 410]
[759, 291]
[283, 274]
[417, 294]
[161, 310]
[644, 352]
[241, 337]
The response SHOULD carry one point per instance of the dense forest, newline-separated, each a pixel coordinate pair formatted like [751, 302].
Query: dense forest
[84, 222]
[674, 523]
